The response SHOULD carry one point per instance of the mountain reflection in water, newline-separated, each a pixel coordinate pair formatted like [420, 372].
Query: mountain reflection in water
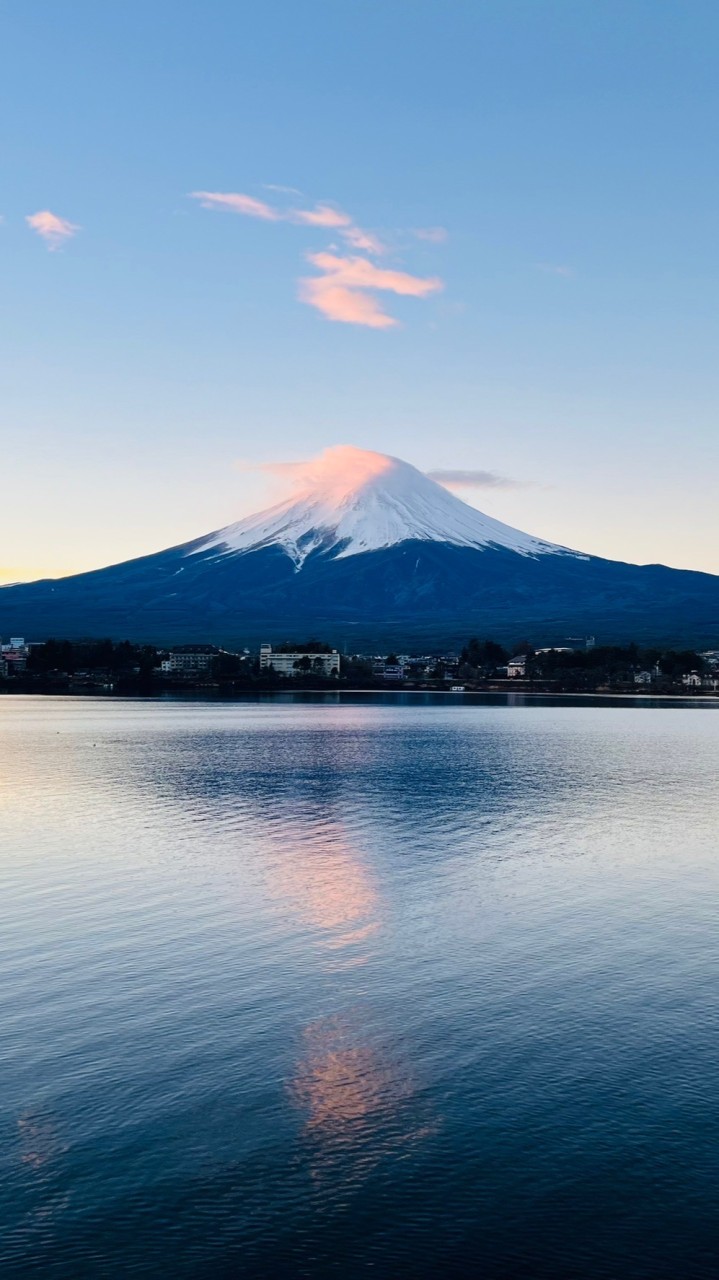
[340, 988]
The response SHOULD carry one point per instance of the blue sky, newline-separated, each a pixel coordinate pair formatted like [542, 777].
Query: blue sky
[567, 150]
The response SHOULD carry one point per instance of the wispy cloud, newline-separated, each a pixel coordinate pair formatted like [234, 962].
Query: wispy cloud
[234, 202]
[51, 228]
[323, 215]
[435, 235]
[363, 240]
[555, 269]
[343, 290]
[454, 479]
[326, 215]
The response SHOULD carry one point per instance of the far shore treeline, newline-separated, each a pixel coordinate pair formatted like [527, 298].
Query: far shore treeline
[122, 667]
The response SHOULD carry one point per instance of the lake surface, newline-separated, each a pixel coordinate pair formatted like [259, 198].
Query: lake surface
[359, 987]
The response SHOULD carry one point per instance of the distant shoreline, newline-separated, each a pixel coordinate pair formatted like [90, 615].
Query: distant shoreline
[210, 696]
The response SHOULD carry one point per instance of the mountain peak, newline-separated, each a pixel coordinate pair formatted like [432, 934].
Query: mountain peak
[348, 501]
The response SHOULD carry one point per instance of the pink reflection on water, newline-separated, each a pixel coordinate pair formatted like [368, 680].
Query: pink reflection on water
[323, 878]
[340, 1081]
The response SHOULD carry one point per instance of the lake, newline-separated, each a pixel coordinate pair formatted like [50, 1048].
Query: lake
[359, 986]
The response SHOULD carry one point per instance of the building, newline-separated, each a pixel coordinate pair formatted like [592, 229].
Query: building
[299, 663]
[393, 671]
[189, 660]
[15, 646]
[517, 667]
[15, 655]
[694, 680]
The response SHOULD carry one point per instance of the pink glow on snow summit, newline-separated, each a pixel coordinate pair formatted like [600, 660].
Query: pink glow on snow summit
[336, 474]
[349, 501]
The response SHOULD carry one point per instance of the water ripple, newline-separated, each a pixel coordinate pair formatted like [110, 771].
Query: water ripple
[358, 988]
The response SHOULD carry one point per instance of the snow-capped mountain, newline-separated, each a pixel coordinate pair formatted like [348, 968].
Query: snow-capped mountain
[368, 552]
[350, 501]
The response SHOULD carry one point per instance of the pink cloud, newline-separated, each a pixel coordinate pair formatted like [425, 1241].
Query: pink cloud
[234, 202]
[358, 273]
[323, 215]
[52, 229]
[363, 240]
[340, 292]
[344, 287]
[336, 469]
[347, 305]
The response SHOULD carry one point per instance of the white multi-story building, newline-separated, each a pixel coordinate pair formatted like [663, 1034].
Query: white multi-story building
[189, 659]
[16, 644]
[297, 664]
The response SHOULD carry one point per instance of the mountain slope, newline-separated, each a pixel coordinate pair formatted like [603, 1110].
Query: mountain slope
[369, 552]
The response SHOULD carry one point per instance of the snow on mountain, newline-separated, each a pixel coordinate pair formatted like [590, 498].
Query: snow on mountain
[352, 500]
[436, 571]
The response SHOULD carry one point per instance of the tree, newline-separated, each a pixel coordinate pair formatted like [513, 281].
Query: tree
[680, 663]
[521, 648]
[54, 655]
[483, 654]
[226, 664]
[304, 646]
